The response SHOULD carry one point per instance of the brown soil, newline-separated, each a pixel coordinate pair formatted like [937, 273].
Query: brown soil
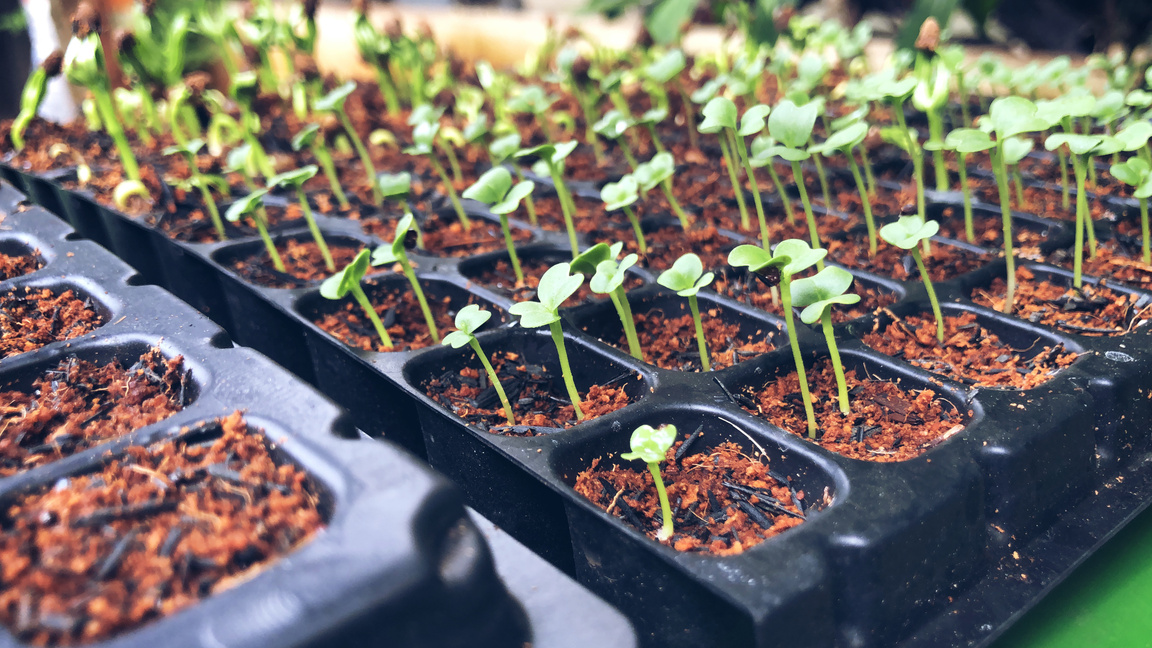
[1093, 310]
[669, 243]
[80, 404]
[42, 135]
[150, 533]
[303, 263]
[589, 214]
[670, 342]
[401, 315]
[445, 237]
[989, 232]
[195, 225]
[31, 318]
[970, 354]
[18, 266]
[944, 262]
[1037, 200]
[501, 279]
[887, 422]
[538, 399]
[1114, 262]
[749, 290]
[722, 501]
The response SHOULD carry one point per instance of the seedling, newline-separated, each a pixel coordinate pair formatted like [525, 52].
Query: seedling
[376, 51]
[33, 96]
[761, 157]
[1064, 111]
[295, 180]
[311, 138]
[844, 141]
[397, 252]
[1083, 148]
[687, 277]
[423, 142]
[965, 141]
[665, 71]
[536, 102]
[651, 446]
[714, 124]
[817, 294]
[446, 138]
[556, 285]
[348, 281]
[721, 111]
[468, 320]
[253, 205]
[778, 266]
[198, 180]
[608, 276]
[553, 157]
[906, 234]
[495, 189]
[622, 195]
[791, 126]
[1138, 173]
[334, 102]
[500, 150]
[611, 126]
[933, 80]
[245, 87]
[909, 141]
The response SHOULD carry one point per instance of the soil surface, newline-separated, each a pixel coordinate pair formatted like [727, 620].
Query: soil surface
[12, 266]
[887, 422]
[80, 404]
[303, 263]
[1092, 310]
[1115, 261]
[722, 501]
[31, 318]
[401, 315]
[444, 235]
[989, 230]
[970, 354]
[943, 262]
[538, 398]
[670, 342]
[151, 533]
[500, 278]
[748, 289]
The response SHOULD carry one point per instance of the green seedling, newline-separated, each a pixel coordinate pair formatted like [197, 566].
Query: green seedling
[966, 141]
[651, 446]
[502, 149]
[933, 81]
[843, 141]
[334, 102]
[446, 138]
[658, 172]
[791, 126]
[424, 136]
[495, 189]
[468, 320]
[817, 294]
[556, 285]
[761, 157]
[376, 50]
[622, 195]
[721, 111]
[1138, 173]
[33, 96]
[295, 180]
[535, 101]
[348, 281]
[189, 150]
[908, 140]
[553, 156]
[253, 205]
[575, 69]
[906, 234]
[245, 88]
[716, 116]
[608, 277]
[1064, 111]
[407, 235]
[664, 72]
[311, 139]
[611, 127]
[778, 267]
[687, 277]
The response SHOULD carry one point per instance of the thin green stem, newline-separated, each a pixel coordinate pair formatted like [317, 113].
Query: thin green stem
[565, 368]
[629, 156]
[494, 379]
[107, 112]
[701, 343]
[689, 116]
[528, 202]
[742, 153]
[936, 134]
[666, 530]
[656, 143]
[865, 202]
[365, 158]
[1018, 184]
[428, 319]
[636, 229]
[969, 225]
[388, 90]
[325, 160]
[931, 290]
[617, 296]
[510, 244]
[823, 178]
[262, 227]
[1144, 229]
[1081, 218]
[453, 161]
[210, 203]
[370, 311]
[566, 208]
[745, 223]
[590, 136]
[315, 229]
[812, 231]
[868, 174]
[1006, 222]
[451, 190]
[1065, 200]
[837, 366]
[786, 299]
[788, 211]
[666, 186]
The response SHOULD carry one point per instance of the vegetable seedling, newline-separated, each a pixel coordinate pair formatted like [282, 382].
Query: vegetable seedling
[253, 205]
[665, 71]
[791, 126]
[495, 189]
[761, 157]
[1138, 173]
[908, 140]
[778, 266]
[844, 140]
[348, 281]
[687, 277]
[245, 88]
[651, 446]
[553, 156]
[1064, 111]
[311, 139]
[397, 252]
[501, 149]
[295, 180]
[906, 234]
[658, 172]
[817, 294]
[965, 141]
[611, 126]
[721, 111]
[376, 51]
[556, 285]
[716, 115]
[468, 320]
[608, 276]
[423, 142]
[198, 180]
[334, 102]
[33, 96]
[622, 195]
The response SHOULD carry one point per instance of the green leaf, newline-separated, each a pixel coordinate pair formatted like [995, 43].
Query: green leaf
[1013, 116]
[392, 185]
[907, 140]
[617, 195]
[588, 261]
[1089, 145]
[667, 18]
[667, 67]
[531, 99]
[651, 173]
[787, 153]
[752, 122]
[424, 135]
[245, 206]
[968, 140]
[819, 292]
[650, 444]
[1131, 172]
[1135, 135]
[760, 152]
[653, 116]
[457, 339]
[338, 285]
[557, 285]
[753, 257]
[491, 187]
[708, 90]
[470, 318]
[335, 99]
[504, 147]
[1015, 148]
[424, 113]
[534, 314]
[1069, 105]
[843, 140]
[294, 178]
[799, 254]
[719, 113]
[305, 137]
[610, 274]
[512, 200]
[686, 276]
[791, 125]
[907, 232]
[612, 125]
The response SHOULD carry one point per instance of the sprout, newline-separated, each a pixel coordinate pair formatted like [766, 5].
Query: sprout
[687, 277]
[397, 252]
[535, 101]
[760, 156]
[424, 136]
[651, 446]
[666, 71]
[495, 189]
[791, 126]
[789, 257]
[348, 280]
[189, 150]
[817, 294]
[722, 111]
[608, 279]
[1064, 110]
[553, 157]
[611, 126]
[376, 51]
[295, 180]
[905, 234]
[556, 285]
[1138, 173]
[447, 138]
[126, 189]
[716, 116]
[931, 94]
[965, 141]
[844, 140]
[470, 318]
[622, 195]
[658, 171]
[33, 96]
[908, 140]
[500, 150]
[244, 90]
[310, 138]
[253, 205]
[334, 102]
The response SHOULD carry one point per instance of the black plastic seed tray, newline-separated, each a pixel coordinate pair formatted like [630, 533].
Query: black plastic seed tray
[399, 560]
[912, 553]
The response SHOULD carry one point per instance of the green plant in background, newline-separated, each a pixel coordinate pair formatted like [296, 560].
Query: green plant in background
[608, 277]
[446, 138]
[424, 136]
[760, 157]
[658, 172]
[556, 285]
[721, 112]
[933, 83]
[397, 252]
[468, 320]
[295, 180]
[964, 142]
[376, 51]
[611, 127]
[495, 189]
[817, 294]
[716, 125]
[334, 102]
[778, 267]
[687, 277]
[309, 137]
[553, 157]
[201, 182]
[397, 186]
[651, 446]
[33, 96]
[348, 281]
[253, 205]
[245, 88]
[665, 72]
[1065, 110]
[791, 126]
[500, 151]
[843, 141]
[1138, 173]
[533, 100]
[622, 195]
[908, 141]
[1083, 149]
[906, 234]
